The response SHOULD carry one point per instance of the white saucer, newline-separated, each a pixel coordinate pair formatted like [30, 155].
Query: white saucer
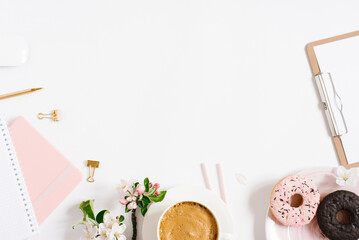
[188, 193]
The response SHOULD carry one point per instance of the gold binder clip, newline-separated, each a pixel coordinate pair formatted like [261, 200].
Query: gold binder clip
[92, 166]
[54, 115]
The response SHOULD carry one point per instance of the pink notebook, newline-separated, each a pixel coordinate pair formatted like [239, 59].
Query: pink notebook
[49, 176]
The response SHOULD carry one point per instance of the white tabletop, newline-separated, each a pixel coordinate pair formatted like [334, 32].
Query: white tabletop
[154, 88]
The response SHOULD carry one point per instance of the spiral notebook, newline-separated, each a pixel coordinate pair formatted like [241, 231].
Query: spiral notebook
[50, 177]
[17, 219]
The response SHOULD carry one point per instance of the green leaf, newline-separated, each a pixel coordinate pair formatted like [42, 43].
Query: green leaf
[121, 218]
[139, 204]
[158, 198]
[100, 215]
[87, 209]
[144, 210]
[146, 200]
[146, 182]
[136, 184]
[126, 209]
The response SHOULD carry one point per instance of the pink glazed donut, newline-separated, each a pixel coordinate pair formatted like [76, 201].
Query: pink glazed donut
[294, 201]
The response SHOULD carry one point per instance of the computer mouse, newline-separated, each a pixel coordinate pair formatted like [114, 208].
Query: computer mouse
[14, 50]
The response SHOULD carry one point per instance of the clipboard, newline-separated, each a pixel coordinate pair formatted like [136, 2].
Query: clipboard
[315, 66]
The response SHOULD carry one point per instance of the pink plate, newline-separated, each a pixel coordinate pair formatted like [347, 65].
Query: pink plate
[324, 178]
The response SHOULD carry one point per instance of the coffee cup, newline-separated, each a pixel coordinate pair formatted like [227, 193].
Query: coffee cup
[192, 218]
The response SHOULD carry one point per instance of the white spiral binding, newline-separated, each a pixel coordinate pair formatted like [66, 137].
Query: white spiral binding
[5, 135]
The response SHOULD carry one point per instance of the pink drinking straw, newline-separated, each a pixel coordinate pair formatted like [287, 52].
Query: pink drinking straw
[221, 182]
[205, 176]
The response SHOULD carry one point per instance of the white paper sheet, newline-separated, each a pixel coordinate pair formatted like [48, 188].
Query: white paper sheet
[341, 60]
[17, 220]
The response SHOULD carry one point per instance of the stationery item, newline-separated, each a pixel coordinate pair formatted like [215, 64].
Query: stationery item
[92, 165]
[50, 177]
[334, 64]
[221, 182]
[54, 115]
[18, 93]
[332, 104]
[14, 50]
[220, 179]
[205, 176]
[17, 220]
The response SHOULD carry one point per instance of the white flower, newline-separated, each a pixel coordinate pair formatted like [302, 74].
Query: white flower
[140, 189]
[110, 229]
[91, 231]
[131, 198]
[109, 221]
[124, 187]
[122, 237]
[106, 233]
[346, 177]
[132, 205]
[119, 230]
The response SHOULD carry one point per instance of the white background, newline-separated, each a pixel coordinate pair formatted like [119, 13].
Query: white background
[154, 88]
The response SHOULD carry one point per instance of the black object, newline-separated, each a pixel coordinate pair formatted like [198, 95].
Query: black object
[327, 213]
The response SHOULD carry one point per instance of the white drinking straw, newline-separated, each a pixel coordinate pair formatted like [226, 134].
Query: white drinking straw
[205, 176]
[221, 182]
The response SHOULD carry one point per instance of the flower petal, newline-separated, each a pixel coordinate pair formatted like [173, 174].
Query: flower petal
[340, 181]
[341, 171]
[241, 178]
[122, 237]
[351, 182]
[352, 172]
[122, 228]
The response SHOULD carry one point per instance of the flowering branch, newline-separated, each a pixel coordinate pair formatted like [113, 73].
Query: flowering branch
[140, 196]
[102, 226]
[134, 224]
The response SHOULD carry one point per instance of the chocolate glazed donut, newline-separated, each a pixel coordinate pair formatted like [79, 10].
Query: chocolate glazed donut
[327, 213]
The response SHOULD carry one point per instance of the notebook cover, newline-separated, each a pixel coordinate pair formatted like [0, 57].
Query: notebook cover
[316, 70]
[49, 176]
